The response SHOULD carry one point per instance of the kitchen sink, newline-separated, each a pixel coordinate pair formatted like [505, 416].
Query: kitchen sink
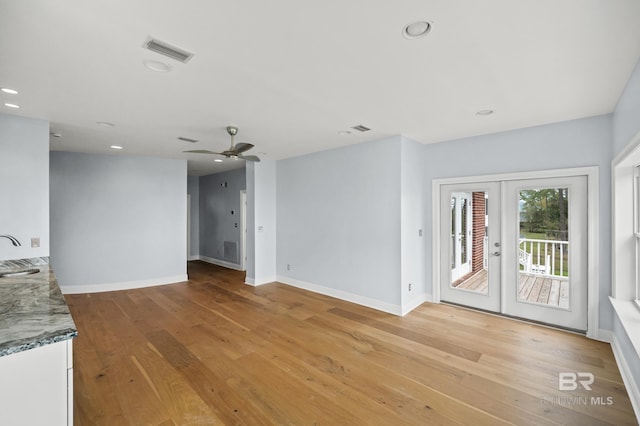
[19, 272]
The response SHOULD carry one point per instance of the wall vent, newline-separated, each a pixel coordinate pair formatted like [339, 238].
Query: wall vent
[167, 50]
[361, 128]
[230, 251]
[182, 138]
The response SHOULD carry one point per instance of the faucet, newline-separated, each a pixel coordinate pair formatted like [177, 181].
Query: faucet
[13, 240]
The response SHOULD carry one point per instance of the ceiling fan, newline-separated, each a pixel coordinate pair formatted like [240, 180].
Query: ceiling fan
[235, 150]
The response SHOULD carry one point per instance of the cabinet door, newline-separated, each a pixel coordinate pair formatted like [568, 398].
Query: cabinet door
[34, 386]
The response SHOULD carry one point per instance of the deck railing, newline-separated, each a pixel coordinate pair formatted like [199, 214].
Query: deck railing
[544, 257]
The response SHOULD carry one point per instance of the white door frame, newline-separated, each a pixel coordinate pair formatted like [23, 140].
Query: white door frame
[593, 219]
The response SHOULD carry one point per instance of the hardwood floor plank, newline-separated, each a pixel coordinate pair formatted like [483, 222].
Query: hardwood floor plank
[441, 344]
[209, 386]
[216, 351]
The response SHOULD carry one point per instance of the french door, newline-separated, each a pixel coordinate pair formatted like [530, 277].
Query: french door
[525, 247]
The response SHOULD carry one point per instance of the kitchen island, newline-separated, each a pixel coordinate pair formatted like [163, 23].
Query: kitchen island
[36, 358]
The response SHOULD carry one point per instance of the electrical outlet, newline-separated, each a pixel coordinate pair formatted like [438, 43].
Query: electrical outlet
[409, 286]
[35, 242]
[288, 267]
[419, 232]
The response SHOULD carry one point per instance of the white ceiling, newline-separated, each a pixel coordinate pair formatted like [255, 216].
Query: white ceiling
[293, 74]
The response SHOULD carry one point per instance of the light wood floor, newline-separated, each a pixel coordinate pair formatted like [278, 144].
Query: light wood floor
[216, 351]
[553, 291]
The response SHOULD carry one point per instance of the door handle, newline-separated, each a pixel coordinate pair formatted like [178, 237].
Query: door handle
[496, 253]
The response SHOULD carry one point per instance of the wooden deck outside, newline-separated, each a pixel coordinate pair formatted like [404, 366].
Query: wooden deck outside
[547, 290]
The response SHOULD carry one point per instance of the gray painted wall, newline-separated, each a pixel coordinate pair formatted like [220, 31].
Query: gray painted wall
[626, 117]
[24, 186]
[576, 143]
[193, 189]
[338, 219]
[251, 221]
[261, 222]
[220, 196]
[412, 221]
[117, 219]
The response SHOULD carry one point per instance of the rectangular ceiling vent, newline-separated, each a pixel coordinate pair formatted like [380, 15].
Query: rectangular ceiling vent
[167, 50]
[361, 128]
[182, 138]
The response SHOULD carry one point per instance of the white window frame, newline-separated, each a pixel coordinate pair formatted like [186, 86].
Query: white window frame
[626, 224]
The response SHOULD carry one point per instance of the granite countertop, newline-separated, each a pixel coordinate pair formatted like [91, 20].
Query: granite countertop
[33, 311]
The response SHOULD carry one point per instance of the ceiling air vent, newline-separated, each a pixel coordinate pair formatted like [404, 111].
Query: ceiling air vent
[182, 138]
[361, 128]
[167, 50]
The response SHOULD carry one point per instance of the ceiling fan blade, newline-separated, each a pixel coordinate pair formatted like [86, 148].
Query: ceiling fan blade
[242, 147]
[250, 158]
[201, 151]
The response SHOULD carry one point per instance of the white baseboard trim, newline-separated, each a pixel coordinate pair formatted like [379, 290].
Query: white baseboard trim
[263, 281]
[629, 382]
[415, 302]
[190, 258]
[343, 295]
[123, 285]
[219, 262]
[603, 336]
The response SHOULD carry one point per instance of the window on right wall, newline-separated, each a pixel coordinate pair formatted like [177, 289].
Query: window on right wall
[626, 224]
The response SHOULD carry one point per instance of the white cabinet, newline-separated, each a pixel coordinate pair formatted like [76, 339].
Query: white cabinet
[36, 386]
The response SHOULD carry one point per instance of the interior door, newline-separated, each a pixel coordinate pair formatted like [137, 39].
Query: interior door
[471, 237]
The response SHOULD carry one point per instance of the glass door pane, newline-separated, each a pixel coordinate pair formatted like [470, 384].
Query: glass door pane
[543, 247]
[469, 267]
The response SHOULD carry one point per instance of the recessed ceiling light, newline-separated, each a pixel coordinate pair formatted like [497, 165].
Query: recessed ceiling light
[115, 147]
[485, 112]
[105, 124]
[9, 91]
[217, 160]
[416, 29]
[12, 105]
[156, 65]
